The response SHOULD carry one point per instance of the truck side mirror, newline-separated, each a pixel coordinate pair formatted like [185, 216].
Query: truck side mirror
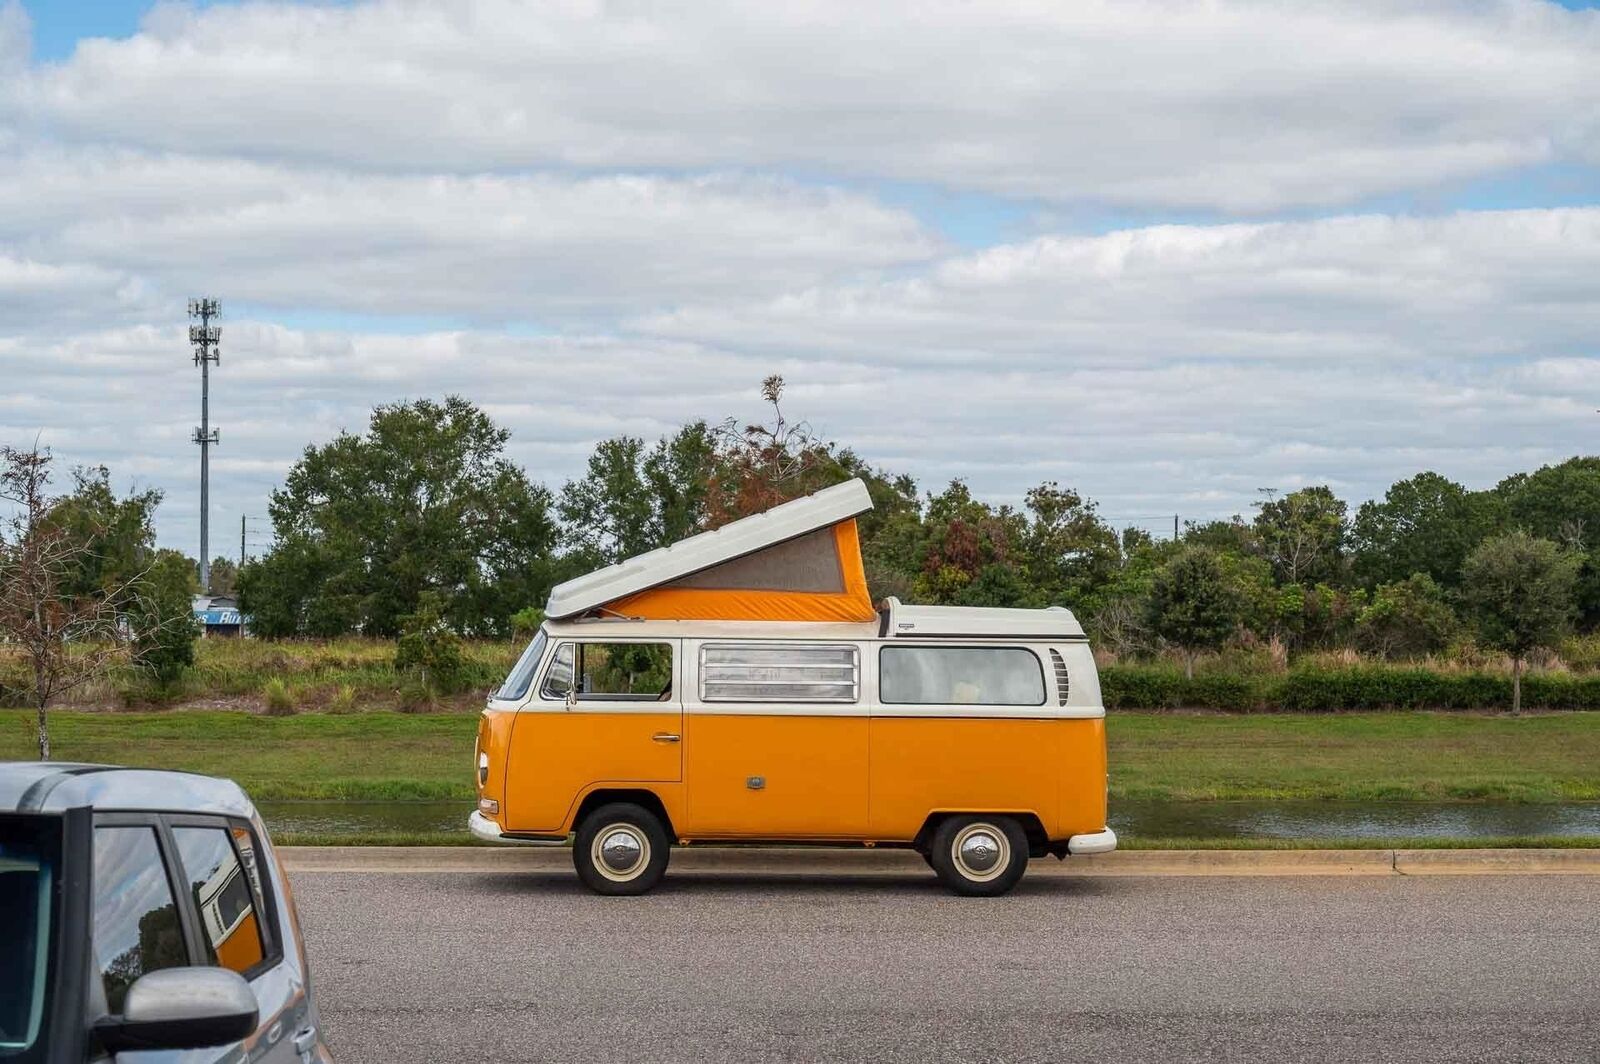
[182, 1008]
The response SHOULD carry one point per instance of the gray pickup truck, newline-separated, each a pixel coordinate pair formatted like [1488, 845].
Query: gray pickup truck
[144, 914]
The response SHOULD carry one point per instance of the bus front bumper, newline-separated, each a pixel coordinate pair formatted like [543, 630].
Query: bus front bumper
[487, 830]
[1097, 842]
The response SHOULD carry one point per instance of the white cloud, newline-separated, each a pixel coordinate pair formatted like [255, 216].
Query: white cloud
[1238, 105]
[1145, 438]
[1374, 288]
[487, 247]
[661, 195]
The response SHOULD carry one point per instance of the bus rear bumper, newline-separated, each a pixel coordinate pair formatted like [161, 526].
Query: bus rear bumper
[1096, 842]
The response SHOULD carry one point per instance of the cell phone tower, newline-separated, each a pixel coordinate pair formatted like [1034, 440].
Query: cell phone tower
[204, 338]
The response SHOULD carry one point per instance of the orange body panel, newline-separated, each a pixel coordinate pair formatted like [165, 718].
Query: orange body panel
[926, 764]
[825, 778]
[556, 757]
[813, 771]
[494, 739]
[854, 603]
[1083, 778]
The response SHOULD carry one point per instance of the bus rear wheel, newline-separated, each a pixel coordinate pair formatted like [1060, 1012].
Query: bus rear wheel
[621, 849]
[979, 856]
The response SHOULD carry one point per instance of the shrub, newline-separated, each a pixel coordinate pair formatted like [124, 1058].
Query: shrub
[417, 695]
[278, 699]
[16, 685]
[1141, 686]
[1582, 652]
[1221, 690]
[163, 622]
[343, 700]
[429, 648]
[1406, 618]
[526, 621]
[1319, 687]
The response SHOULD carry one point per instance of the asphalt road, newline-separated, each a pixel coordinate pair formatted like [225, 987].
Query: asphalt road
[451, 966]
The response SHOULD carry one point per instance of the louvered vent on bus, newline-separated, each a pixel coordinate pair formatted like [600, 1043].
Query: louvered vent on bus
[1062, 680]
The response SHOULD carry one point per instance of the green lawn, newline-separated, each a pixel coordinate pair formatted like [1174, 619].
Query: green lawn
[1355, 756]
[1390, 755]
[313, 755]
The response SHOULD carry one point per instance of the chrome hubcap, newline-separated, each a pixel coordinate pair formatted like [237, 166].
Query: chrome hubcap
[620, 851]
[981, 852]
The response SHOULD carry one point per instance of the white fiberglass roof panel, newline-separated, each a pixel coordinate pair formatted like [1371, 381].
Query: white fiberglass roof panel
[746, 536]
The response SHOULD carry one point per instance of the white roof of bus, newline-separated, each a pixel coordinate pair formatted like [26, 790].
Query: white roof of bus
[1054, 622]
[905, 622]
[622, 629]
[735, 540]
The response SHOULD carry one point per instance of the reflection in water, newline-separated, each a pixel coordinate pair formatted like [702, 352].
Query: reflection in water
[1352, 820]
[1139, 819]
[357, 818]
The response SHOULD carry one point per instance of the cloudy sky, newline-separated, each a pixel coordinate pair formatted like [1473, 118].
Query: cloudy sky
[1168, 254]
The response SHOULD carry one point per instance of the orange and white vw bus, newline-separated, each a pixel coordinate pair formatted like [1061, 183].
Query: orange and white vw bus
[740, 686]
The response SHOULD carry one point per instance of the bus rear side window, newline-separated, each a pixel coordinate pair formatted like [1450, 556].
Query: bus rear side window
[960, 676]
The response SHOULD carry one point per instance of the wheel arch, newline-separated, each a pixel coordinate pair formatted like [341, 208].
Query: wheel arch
[1032, 827]
[640, 796]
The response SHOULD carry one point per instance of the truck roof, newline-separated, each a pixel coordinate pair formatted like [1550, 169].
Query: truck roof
[41, 786]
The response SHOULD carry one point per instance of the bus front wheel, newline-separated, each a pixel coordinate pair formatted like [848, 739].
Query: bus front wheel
[621, 849]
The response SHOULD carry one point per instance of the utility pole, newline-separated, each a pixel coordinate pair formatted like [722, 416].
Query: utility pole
[204, 338]
[242, 520]
[1174, 528]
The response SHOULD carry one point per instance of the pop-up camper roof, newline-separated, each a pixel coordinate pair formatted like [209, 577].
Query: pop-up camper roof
[800, 561]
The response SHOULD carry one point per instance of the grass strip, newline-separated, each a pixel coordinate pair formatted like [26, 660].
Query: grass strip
[1388, 756]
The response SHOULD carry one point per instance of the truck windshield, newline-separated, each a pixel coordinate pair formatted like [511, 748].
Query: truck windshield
[516, 685]
[30, 865]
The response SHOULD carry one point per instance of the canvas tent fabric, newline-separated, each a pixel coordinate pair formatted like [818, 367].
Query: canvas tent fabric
[818, 577]
[800, 561]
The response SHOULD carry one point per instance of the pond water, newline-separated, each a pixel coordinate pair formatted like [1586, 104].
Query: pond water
[1142, 819]
[1353, 820]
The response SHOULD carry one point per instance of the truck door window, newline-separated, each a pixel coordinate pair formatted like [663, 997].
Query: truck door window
[136, 927]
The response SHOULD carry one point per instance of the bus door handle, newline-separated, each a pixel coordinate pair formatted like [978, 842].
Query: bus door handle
[666, 737]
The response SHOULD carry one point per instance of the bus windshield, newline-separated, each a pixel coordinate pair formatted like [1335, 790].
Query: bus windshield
[516, 685]
[30, 860]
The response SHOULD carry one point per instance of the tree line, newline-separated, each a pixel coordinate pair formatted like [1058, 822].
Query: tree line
[421, 525]
[425, 501]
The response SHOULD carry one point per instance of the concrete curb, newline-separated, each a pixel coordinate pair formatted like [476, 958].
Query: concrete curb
[808, 861]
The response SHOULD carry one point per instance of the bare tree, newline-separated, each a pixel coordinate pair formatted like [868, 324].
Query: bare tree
[763, 465]
[66, 640]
